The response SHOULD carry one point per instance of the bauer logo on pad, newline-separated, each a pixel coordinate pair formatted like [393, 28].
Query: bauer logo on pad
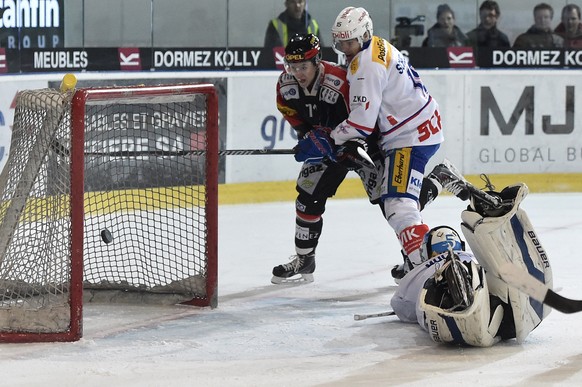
[3, 61]
[129, 59]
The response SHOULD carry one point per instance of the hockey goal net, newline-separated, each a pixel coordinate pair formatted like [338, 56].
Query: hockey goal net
[108, 194]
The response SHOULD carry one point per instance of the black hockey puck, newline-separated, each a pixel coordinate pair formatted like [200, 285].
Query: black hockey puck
[106, 236]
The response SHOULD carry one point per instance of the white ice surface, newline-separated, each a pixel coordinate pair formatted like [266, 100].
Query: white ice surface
[268, 335]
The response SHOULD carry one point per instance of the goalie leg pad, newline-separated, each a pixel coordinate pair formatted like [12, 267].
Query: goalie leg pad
[510, 238]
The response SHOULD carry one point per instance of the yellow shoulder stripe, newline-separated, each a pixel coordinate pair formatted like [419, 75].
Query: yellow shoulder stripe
[381, 51]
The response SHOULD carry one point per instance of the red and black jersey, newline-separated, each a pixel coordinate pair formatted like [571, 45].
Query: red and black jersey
[325, 105]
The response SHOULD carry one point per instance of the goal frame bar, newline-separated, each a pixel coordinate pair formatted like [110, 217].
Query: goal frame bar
[79, 101]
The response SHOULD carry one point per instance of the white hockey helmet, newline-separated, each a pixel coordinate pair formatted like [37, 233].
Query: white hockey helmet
[447, 320]
[439, 240]
[352, 23]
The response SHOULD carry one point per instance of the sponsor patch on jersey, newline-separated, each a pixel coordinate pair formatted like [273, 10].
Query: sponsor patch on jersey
[401, 169]
[289, 92]
[414, 183]
[286, 111]
[333, 81]
[302, 233]
[328, 95]
[286, 78]
[359, 100]
[355, 65]
[381, 51]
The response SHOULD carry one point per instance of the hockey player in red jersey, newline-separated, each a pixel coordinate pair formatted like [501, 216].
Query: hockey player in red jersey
[312, 95]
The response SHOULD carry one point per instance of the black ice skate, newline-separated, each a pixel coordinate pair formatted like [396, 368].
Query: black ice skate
[399, 271]
[450, 181]
[302, 265]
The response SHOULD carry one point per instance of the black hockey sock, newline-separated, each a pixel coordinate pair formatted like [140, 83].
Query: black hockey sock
[307, 235]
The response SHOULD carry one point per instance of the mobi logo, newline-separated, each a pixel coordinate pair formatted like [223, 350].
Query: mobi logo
[3, 61]
[129, 59]
[29, 13]
[461, 57]
[525, 106]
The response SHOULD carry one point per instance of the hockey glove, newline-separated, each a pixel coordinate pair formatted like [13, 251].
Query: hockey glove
[315, 147]
[353, 155]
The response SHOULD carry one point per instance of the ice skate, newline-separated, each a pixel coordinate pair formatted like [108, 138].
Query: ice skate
[450, 181]
[399, 271]
[300, 269]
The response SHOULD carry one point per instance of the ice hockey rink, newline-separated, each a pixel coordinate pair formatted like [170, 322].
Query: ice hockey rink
[267, 335]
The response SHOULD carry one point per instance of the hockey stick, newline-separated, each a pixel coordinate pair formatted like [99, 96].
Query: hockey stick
[359, 317]
[523, 281]
[227, 152]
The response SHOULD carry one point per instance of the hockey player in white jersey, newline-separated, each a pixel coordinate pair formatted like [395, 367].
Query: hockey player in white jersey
[386, 92]
[458, 297]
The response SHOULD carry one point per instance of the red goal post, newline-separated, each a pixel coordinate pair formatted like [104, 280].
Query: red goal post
[106, 198]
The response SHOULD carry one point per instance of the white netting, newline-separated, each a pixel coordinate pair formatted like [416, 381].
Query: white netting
[142, 186]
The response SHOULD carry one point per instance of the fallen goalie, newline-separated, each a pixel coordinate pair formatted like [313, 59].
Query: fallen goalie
[457, 296]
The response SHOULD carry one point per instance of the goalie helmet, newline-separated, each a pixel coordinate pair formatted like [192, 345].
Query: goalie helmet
[352, 23]
[439, 240]
[301, 48]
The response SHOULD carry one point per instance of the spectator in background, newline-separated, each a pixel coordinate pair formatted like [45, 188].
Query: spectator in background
[486, 34]
[294, 20]
[571, 27]
[444, 33]
[540, 35]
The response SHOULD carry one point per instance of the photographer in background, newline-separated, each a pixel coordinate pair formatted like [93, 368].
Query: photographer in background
[486, 34]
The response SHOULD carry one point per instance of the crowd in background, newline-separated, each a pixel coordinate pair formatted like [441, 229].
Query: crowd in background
[445, 33]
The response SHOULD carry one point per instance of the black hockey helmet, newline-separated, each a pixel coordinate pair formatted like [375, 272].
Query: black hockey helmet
[301, 48]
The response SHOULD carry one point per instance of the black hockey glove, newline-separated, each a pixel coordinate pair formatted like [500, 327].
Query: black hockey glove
[353, 155]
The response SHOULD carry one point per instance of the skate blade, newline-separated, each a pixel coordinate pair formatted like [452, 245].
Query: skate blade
[304, 278]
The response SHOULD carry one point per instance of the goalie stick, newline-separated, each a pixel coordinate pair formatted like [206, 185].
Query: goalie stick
[511, 274]
[359, 317]
[523, 281]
